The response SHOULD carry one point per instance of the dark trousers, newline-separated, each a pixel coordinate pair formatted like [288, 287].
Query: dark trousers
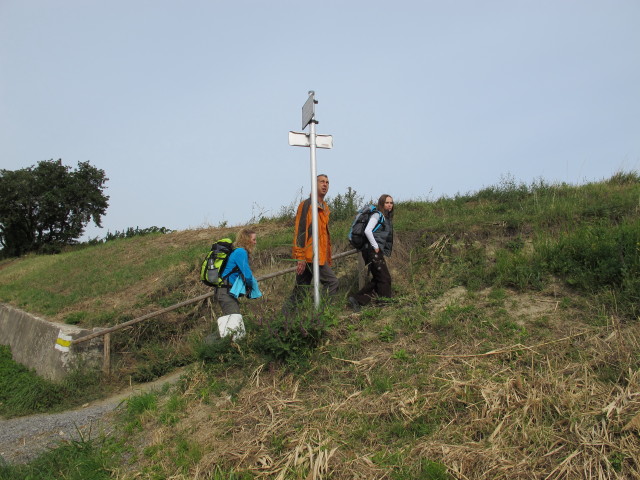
[301, 289]
[228, 303]
[380, 283]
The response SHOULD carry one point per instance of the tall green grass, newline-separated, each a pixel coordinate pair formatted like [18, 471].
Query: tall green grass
[516, 206]
[588, 237]
[23, 392]
[84, 459]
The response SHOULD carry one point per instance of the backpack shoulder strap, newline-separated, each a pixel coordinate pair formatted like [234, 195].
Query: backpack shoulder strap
[226, 260]
[380, 219]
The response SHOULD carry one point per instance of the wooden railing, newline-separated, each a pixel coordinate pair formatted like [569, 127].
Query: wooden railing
[106, 332]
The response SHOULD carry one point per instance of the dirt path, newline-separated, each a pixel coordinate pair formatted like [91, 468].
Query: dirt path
[24, 438]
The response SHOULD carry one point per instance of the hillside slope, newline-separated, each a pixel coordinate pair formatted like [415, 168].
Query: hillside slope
[510, 349]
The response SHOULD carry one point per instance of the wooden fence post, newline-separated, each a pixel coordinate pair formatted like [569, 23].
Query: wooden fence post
[106, 359]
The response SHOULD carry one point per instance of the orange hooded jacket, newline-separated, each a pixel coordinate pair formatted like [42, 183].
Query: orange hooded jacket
[303, 237]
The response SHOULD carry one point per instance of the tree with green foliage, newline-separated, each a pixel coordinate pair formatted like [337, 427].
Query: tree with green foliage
[49, 205]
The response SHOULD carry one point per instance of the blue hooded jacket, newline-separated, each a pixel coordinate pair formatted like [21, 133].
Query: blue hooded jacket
[239, 258]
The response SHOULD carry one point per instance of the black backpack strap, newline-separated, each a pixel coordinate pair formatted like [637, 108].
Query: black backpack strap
[233, 270]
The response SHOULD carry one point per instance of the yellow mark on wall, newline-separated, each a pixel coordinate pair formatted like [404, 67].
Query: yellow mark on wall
[63, 342]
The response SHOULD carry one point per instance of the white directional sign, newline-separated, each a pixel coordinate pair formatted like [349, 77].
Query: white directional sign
[297, 139]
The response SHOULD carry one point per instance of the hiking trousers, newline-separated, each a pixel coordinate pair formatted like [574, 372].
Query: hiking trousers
[328, 280]
[380, 283]
[228, 303]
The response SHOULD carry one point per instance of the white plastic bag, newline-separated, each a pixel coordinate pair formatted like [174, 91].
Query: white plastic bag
[231, 325]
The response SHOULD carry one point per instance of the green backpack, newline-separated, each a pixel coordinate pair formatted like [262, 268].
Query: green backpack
[215, 261]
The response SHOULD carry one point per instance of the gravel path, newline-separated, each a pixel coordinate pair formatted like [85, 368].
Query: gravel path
[22, 439]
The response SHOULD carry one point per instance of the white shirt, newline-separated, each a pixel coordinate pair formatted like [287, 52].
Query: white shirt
[368, 231]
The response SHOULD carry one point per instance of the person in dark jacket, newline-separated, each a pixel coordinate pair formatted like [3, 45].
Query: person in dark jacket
[379, 233]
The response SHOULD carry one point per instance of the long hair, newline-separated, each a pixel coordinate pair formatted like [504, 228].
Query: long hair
[380, 207]
[244, 240]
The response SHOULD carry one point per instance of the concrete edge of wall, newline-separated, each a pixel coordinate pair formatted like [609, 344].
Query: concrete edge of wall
[45, 346]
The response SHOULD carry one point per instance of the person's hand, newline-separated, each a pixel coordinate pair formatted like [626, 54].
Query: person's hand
[300, 267]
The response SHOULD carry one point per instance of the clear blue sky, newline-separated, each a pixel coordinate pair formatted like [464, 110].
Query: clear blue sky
[423, 98]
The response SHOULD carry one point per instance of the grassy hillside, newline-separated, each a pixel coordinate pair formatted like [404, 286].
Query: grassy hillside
[509, 351]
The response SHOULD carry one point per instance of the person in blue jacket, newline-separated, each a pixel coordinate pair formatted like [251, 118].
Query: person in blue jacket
[237, 275]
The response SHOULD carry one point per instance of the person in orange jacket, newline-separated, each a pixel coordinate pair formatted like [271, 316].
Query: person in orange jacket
[303, 248]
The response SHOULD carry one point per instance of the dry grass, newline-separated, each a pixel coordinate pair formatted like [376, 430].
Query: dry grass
[564, 403]
[541, 411]
[555, 421]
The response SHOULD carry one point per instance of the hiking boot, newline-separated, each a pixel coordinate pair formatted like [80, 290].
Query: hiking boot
[354, 304]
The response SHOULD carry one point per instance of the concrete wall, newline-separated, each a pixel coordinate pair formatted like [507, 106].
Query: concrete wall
[43, 345]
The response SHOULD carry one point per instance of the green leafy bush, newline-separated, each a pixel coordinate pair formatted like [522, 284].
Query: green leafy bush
[222, 350]
[291, 339]
[593, 257]
[129, 233]
[344, 207]
[596, 259]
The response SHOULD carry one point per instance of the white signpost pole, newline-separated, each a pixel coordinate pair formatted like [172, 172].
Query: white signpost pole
[312, 141]
[314, 213]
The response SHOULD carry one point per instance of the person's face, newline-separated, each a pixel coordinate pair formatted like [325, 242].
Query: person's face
[253, 238]
[323, 186]
[388, 204]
